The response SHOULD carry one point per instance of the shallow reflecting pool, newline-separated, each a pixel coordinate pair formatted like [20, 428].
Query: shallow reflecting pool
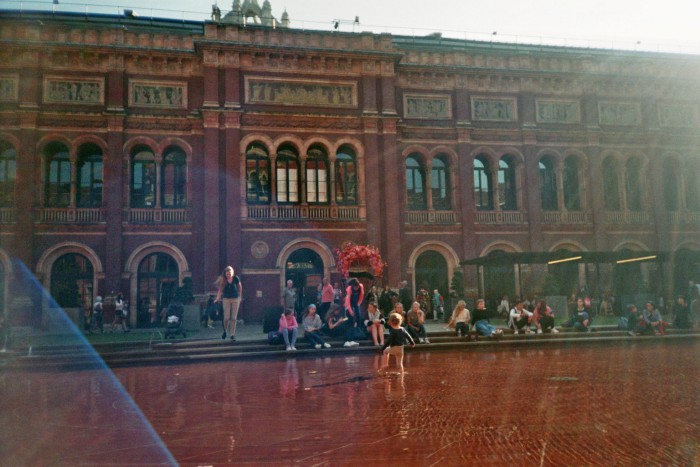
[605, 405]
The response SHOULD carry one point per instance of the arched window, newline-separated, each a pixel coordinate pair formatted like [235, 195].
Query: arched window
[174, 178]
[8, 161]
[572, 190]
[415, 184]
[57, 176]
[483, 191]
[317, 175]
[633, 184]
[611, 190]
[507, 198]
[345, 176]
[158, 277]
[71, 281]
[287, 171]
[692, 186]
[89, 193]
[257, 174]
[143, 178]
[440, 184]
[671, 185]
[548, 184]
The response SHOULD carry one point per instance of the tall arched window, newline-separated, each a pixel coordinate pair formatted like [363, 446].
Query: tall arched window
[440, 183]
[507, 198]
[483, 191]
[345, 176]
[692, 186]
[548, 184]
[158, 277]
[415, 184]
[287, 172]
[174, 178]
[57, 176]
[89, 193]
[633, 184]
[8, 161]
[572, 189]
[71, 281]
[611, 189]
[257, 174]
[317, 175]
[143, 178]
[671, 185]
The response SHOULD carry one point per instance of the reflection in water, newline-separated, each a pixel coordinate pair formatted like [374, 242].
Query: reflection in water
[454, 407]
[289, 378]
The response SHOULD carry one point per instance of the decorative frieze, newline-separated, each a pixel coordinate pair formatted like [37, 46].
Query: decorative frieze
[8, 88]
[557, 111]
[300, 93]
[619, 113]
[270, 121]
[494, 109]
[429, 106]
[678, 115]
[70, 90]
[157, 94]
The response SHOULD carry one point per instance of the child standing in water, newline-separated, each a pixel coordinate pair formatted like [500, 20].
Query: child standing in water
[398, 337]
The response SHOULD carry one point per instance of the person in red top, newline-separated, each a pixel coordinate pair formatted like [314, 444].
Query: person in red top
[289, 328]
[354, 294]
[327, 295]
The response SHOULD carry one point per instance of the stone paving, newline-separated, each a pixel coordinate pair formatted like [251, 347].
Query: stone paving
[607, 404]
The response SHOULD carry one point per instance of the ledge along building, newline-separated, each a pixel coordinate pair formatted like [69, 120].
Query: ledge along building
[137, 153]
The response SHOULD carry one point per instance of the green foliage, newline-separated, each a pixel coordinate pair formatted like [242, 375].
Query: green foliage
[457, 284]
[552, 284]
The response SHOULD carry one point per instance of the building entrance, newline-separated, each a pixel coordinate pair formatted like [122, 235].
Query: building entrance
[305, 269]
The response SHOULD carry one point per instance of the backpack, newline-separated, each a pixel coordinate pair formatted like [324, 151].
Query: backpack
[274, 338]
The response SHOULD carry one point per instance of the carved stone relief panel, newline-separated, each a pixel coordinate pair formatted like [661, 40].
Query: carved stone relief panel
[260, 90]
[494, 109]
[678, 115]
[429, 106]
[158, 94]
[8, 88]
[619, 113]
[558, 111]
[70, 90]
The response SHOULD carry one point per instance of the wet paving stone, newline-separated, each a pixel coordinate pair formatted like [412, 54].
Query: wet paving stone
[606, 405]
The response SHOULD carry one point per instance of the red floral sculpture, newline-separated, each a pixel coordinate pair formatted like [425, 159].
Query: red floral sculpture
[365, 257]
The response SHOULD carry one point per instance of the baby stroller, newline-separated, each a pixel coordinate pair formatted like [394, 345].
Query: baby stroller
[173, 321]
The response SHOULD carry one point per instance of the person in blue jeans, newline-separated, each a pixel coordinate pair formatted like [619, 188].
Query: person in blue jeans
[480, 320]
[581, 319]
[289, 328]
[312, 327]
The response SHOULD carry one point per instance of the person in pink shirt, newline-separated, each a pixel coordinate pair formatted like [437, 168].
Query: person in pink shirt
[289, 328]
[327, 295]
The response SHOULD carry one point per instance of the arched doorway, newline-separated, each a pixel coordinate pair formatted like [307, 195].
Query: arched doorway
[72, 281]
[304, 268]
[432, 273]
[686, 268]
[158, 277]
[562, 278]
[499, 280]
[631, 284]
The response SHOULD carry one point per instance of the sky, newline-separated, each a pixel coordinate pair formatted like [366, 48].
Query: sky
[669, 25]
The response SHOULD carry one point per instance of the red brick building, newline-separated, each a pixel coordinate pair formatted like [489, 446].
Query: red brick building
[135, 153]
